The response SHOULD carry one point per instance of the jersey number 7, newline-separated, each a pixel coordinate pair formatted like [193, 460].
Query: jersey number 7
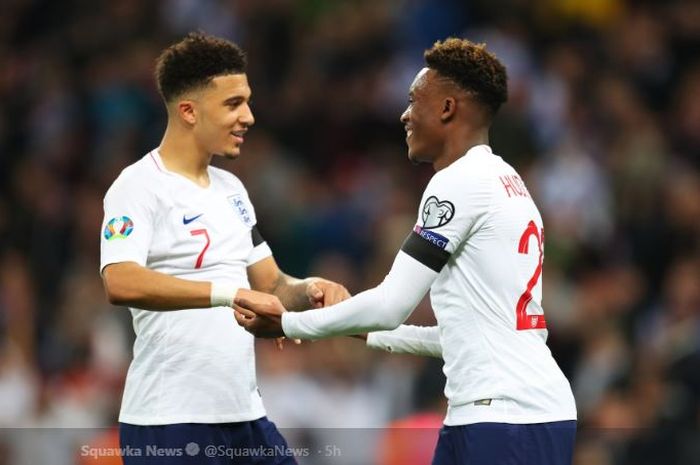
[522, 318]
[200, 257]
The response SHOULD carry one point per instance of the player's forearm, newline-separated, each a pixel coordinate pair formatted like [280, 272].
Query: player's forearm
[292, 292]
[132, 285]
[406, 339]
[384, 307]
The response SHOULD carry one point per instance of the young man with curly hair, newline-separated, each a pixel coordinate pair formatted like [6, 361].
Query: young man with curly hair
[179, 242]
[477, 246]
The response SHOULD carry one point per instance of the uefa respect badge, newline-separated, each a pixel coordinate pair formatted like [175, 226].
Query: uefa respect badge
[118, 228]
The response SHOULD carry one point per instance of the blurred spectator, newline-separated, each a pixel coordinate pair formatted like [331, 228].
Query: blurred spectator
[603, 121]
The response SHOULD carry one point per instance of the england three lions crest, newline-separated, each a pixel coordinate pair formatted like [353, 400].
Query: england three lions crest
[242, 209]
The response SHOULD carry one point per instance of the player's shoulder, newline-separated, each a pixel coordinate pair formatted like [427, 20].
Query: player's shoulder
[225, 177]
[479, 161]
[465, 172]
[137, 177]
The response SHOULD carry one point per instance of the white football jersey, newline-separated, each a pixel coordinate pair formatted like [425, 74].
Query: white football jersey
[189, 366]
[487, 298]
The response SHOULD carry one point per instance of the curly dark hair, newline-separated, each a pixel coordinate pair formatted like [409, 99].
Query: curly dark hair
[194, 62]
[472, 68]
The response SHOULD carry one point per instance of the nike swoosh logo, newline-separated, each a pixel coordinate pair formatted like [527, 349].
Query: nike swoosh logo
[186, 220]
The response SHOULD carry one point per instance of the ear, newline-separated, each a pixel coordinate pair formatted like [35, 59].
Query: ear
[186, 111]
[449, 107]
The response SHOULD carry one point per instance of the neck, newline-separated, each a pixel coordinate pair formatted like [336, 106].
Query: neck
[456, 146]
[181, 154]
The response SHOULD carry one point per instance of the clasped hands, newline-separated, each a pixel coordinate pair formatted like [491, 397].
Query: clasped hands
[261, 314]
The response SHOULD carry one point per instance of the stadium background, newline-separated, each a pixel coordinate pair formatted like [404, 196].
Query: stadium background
[603, 122]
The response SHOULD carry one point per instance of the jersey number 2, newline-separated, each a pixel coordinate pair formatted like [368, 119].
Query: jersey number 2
[200, 257]
[523, 319]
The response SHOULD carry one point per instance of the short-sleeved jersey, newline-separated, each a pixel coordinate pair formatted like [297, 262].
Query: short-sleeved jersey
[487, 297]
[189, 366]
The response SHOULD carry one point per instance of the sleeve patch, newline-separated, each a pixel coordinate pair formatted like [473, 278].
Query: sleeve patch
[256, 236]
[425, 252]
[118, 228]
[437, 212]
[434, 238]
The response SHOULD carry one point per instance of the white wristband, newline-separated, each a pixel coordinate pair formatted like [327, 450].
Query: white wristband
[222, 294]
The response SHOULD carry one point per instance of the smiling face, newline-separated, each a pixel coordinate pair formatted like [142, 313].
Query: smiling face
[422, 118]
[222, 115]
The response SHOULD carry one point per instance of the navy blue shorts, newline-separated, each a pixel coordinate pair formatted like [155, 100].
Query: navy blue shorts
[246, 443]
[506, 444]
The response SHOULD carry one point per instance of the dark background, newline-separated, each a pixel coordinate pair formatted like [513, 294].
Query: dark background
[603, 122]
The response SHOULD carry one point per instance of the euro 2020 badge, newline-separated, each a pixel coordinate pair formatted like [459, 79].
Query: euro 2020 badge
[118, 228]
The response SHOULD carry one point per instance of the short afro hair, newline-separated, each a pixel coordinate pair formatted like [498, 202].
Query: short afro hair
[194, 61]
[472, 68]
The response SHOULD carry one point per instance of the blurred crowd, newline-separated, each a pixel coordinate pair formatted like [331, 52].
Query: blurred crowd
[603, 122]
